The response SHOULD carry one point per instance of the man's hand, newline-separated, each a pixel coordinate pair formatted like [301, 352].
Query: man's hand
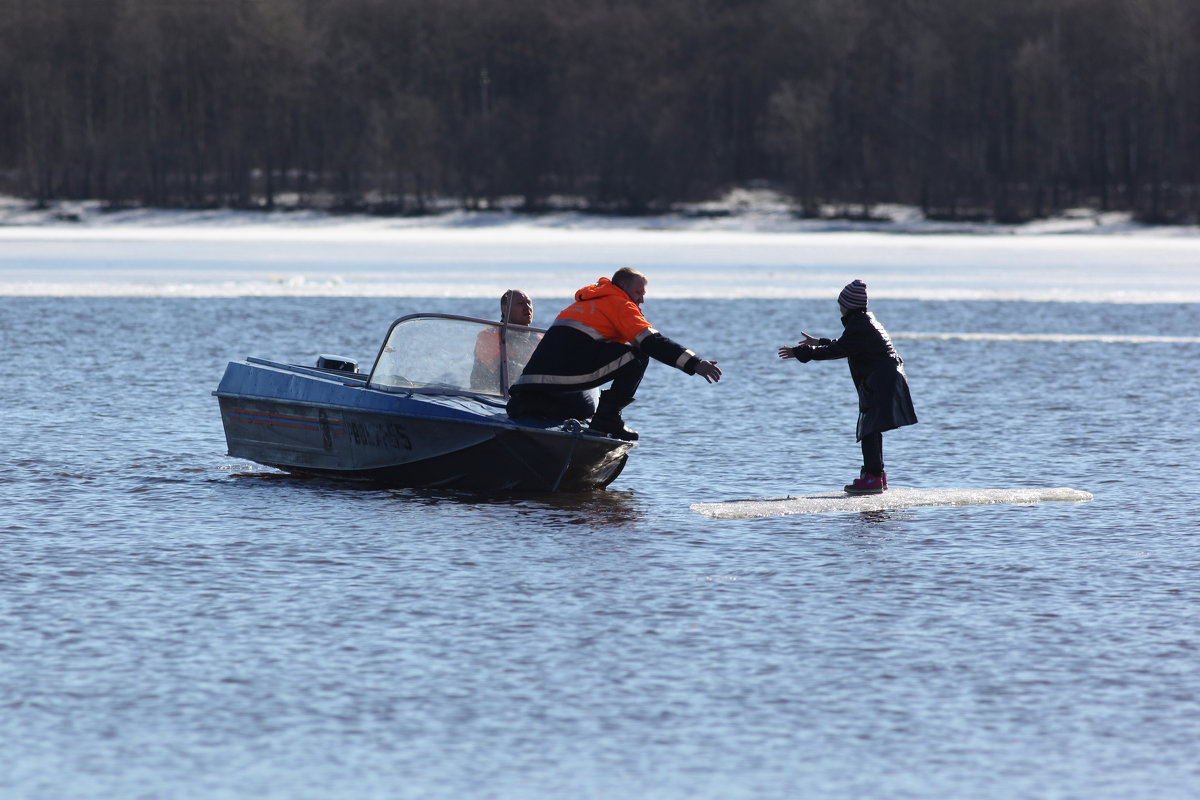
[709, 371]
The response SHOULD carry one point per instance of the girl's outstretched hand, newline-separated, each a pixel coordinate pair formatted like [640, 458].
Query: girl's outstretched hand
[808, 341]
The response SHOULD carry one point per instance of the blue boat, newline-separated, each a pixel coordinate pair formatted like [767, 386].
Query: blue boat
[429, 414]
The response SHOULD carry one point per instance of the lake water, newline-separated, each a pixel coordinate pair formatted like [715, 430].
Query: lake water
[175, 623]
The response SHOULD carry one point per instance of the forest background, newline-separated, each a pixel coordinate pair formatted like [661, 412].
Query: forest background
[969, 109]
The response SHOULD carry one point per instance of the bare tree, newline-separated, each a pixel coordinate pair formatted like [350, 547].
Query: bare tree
[965, 107]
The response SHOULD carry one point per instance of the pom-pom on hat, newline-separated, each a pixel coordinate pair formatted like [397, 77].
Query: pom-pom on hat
[854, 295]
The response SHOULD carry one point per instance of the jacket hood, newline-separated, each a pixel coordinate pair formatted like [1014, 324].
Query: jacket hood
[601, 288]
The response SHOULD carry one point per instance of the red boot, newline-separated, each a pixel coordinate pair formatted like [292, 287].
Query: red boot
[867, 484]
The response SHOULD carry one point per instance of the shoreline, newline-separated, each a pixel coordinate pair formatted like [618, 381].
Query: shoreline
[758, 212]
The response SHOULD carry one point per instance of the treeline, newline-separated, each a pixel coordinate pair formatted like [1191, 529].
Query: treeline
[1004, 109]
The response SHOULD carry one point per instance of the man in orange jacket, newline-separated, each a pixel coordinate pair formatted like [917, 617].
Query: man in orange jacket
[601, 337]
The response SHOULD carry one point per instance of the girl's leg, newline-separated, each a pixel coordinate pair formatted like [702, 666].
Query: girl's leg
[872, 450]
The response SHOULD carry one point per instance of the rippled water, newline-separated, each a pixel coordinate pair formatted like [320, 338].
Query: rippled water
[177, 623]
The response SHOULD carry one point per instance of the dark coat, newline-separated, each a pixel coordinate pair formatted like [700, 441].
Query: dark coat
[878, 372]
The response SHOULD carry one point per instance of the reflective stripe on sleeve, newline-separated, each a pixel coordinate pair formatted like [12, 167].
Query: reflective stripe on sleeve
[644, 335]
[684, 358]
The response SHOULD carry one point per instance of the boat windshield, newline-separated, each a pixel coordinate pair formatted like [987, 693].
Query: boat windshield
[440, 352]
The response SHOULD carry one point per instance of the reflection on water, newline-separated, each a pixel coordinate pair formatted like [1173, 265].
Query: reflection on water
[600, 508]
[885, 516]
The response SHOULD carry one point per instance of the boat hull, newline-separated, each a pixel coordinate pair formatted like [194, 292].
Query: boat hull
[302, 421]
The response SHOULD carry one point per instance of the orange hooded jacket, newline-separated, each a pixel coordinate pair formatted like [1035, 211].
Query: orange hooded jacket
[598, 334]
[604, 311]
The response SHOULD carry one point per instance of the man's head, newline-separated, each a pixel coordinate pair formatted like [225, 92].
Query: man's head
[632, 282]
[854, 296]
[516, 308]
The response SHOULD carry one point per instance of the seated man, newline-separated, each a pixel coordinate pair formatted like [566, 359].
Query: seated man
[516, 309]
[601, 337]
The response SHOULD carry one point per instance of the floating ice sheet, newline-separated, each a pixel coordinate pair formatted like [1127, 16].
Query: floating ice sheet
[477, 255]
[892, 498]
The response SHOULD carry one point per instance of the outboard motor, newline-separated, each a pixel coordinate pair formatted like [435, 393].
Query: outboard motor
[337, 363]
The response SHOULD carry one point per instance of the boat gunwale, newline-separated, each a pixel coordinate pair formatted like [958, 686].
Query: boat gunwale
[557, 429]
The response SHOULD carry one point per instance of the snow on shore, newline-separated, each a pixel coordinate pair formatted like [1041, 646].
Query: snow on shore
[742, 210]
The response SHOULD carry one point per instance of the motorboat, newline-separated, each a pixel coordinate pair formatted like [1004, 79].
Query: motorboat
[430, 413]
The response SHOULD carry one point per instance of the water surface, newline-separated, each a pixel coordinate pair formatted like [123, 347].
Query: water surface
[177, 623]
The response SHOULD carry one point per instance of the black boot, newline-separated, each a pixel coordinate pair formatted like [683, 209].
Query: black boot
[607, 419]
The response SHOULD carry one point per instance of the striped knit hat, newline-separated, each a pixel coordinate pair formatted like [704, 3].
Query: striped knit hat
[854, 295]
